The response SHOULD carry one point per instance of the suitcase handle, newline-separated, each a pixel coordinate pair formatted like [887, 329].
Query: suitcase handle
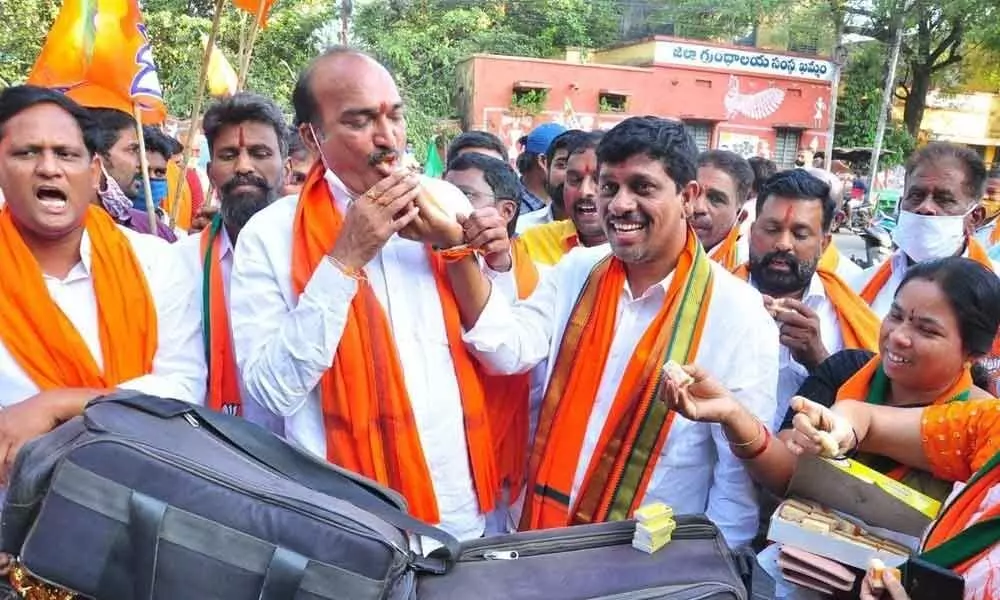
[295, 464]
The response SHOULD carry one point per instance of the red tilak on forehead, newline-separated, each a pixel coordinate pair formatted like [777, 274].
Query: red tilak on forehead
[242, 140]
[384, 108]
[788, 216]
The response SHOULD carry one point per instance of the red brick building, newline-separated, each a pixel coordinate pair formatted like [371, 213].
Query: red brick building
[752, 101]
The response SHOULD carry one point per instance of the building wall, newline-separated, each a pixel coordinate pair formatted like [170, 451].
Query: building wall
[727, 89]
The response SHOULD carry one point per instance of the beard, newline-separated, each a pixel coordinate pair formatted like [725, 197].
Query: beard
[781, 283]
[236, 207]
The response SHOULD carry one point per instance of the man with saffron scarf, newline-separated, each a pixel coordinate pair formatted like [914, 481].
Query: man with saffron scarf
[606, 319]
[350, 331]
[490, 182]
[86, 306]
[943, 186]
[817, 313]
[726, 181]
[246, 143]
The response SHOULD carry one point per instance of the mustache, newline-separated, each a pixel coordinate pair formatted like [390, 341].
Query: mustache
[632, 217]
[245, 179]
[382, 155]
[787, 257]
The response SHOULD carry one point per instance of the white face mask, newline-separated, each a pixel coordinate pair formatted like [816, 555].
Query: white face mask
[924, 237]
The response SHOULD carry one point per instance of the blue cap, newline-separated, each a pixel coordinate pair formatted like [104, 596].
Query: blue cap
[541, 137]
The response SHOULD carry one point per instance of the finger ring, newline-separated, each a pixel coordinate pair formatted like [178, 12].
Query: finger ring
[369, 196]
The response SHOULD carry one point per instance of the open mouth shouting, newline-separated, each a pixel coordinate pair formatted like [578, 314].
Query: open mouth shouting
[52, 199]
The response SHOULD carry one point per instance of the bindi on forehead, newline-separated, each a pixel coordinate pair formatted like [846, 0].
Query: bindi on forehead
[787, 219]
[241, 139]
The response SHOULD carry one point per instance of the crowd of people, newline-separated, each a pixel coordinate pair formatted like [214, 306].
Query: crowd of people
[490, 344]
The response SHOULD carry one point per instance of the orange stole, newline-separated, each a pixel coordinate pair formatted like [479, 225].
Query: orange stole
[43, 341]
[508, 404]
[884, 272]
[224, 393]
[727, 252]
[830, 259]
[369, 421]
[871, 385]
[858, 324]
[638, 423]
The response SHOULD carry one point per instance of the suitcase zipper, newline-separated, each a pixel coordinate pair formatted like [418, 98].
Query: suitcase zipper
[575, 541]
[695, 591]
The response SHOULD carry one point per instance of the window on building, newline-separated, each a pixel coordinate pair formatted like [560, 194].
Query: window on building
[786, 147]
[612, 101]
[701, 131]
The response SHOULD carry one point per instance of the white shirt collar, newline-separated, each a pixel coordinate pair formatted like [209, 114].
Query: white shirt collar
[226, 245]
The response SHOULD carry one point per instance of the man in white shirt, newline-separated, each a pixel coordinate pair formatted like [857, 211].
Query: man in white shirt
[348, 330]
[247, 148]
[601, 320]
[816, 311]
[726, 180]
[943, 186]
[86, 306]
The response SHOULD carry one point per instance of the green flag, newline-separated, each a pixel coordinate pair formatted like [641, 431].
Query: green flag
[433, 166]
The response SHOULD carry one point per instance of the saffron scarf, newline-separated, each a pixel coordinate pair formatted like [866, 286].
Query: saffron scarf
[223, 379]
[871, 290]
[508, 404]
[370, 428]
[858, 324]
[830, 259]
[952, 542]
[870, 384]
[638, 423]
[46, 344]
[726, 253]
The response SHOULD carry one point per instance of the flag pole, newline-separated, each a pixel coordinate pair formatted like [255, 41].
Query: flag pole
[199, 94]
[245, 60]
[144, 165]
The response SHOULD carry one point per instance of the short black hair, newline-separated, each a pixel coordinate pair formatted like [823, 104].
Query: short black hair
[476, 139]
[303, 101]
[763, 169]
[587, 140]
[973, 292]
[498, 175]
[19, 98]
[797, 184]
[109, 125]
[157, 141]
[296, 145]
[526, 161]
[735, 166]
[241, 108]
[975, 168]
[660, 139]
[564, 141]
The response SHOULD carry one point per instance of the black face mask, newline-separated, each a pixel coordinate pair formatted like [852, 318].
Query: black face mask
[781, 283]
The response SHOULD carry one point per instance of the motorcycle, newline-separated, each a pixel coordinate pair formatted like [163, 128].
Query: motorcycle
[878, 240]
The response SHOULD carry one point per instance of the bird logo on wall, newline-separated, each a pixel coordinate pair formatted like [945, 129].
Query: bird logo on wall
[754, 106]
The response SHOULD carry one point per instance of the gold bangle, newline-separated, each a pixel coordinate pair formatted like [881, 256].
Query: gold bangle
[760, 434]
[355, 274]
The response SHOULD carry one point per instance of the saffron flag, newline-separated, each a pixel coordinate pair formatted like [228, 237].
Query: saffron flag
[255, 8]
[220, 77]
[98, 53]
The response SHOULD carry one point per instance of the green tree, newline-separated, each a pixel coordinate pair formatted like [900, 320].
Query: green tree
[294, 34]
[859, 104]
[422, 42]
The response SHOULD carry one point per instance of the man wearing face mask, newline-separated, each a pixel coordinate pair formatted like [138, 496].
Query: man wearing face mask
[816, 312]
[350, 331]
[943, 186]
[247, 149]
[649, 295]
[716, 214]
[117, 143]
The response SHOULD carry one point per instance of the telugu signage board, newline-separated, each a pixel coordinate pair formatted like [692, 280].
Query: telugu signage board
[686, 54]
